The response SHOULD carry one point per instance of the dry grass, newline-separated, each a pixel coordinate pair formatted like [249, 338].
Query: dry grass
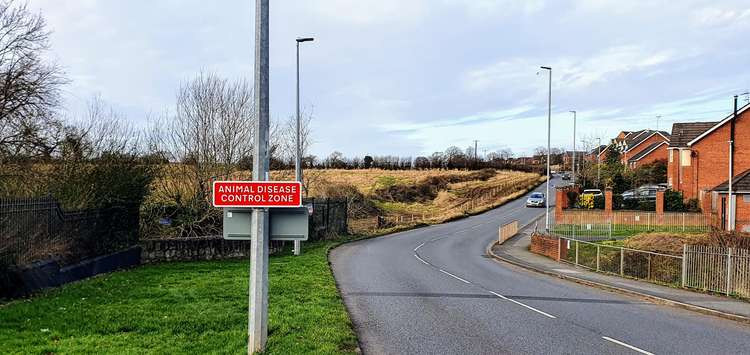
[363, 186]
[666, 242]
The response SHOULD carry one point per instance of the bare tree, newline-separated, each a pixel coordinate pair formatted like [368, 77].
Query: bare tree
[29, 86]
[207, 137]
[288, 136]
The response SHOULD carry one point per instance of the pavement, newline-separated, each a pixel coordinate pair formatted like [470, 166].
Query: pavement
[434, 290]
[516, 251]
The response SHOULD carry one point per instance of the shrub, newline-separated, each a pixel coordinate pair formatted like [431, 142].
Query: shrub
[599, 202]
[586, 201]
[572, 196]
[673, 201]
[692, 205]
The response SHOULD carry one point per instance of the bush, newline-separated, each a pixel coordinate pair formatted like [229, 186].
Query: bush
[586, 201]
[692, 205]
[599, 202]
[673, 201]
[572, 196]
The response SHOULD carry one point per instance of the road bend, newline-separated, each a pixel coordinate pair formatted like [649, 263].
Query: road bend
[433, 290]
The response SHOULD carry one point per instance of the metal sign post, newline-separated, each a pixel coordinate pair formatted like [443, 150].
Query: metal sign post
[257, 327]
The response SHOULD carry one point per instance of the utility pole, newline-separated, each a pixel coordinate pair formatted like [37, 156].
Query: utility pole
[730, 204]
[476, 162]
[658, 117]
[257, 327]
[298, 150]
[574, 146]
[599, 162]
[549, 128]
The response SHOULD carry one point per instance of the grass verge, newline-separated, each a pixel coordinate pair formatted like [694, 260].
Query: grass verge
[185, 307]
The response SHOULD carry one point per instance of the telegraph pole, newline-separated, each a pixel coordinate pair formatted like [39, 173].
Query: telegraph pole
[730, 202]
[476, 162]
[257, 327]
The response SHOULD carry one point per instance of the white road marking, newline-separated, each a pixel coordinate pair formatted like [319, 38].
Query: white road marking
[523, 305]
[419, 246]
[627, 346]
[454, 276]
[420, 259]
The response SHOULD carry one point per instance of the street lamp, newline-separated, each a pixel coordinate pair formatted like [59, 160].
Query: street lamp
[298, 150]
[549, 127]
[574, 146]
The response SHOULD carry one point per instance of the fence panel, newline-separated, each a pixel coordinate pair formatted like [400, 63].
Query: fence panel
[33, 229]
[718, 269]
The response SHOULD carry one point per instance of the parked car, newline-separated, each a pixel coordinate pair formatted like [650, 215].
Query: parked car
[566, 176]
[536, 199]
[645, 192]
[595, 192]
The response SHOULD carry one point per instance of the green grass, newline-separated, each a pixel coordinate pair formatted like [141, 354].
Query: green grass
[184, 308]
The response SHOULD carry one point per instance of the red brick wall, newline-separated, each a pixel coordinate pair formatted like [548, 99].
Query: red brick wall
[547, 246]
[712, 160]
[658, 154]
[653, 139]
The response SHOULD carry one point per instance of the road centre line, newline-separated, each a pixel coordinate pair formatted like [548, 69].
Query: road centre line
[627, 346]
[420, 259]
[454, 276]
[523, 305]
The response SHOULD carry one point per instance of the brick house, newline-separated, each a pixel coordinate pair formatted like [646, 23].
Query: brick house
[699, 160]
[741, 193]
[631, 144]
[591, 155]
[681, 171]
[656, 151]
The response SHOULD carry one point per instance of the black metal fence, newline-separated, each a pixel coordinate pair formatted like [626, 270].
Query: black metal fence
[33, 229]
[329, 218]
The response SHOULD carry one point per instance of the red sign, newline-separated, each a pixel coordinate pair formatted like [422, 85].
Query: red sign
[257, 194]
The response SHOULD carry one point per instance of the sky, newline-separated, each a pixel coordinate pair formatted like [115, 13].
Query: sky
[412, 77]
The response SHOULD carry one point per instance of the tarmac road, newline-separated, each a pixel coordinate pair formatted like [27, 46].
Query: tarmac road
[434, 291]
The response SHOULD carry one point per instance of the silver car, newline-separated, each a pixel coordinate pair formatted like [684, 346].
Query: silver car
[536, 200]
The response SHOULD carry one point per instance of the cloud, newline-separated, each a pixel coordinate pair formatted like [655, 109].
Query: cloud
[716, 17]
[572, 73]
[369, 12]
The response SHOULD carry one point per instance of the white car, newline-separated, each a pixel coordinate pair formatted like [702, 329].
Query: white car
[595, 192]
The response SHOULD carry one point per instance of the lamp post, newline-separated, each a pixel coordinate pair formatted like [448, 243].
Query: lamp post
[574, 146]
[549, 127]
[298, 150]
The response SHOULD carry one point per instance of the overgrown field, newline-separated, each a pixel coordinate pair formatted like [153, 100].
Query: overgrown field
[377, 199]
[405, 197]
[184, 308]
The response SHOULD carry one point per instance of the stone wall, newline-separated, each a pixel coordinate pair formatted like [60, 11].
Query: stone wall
[201, 248]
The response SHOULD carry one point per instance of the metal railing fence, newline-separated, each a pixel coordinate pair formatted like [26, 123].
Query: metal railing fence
[717, 269]
[33, 229]
[626, 262]
[598, 225]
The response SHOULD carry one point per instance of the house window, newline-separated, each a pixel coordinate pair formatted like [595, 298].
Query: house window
[671, 155]
[685, 157]
[746, 198]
